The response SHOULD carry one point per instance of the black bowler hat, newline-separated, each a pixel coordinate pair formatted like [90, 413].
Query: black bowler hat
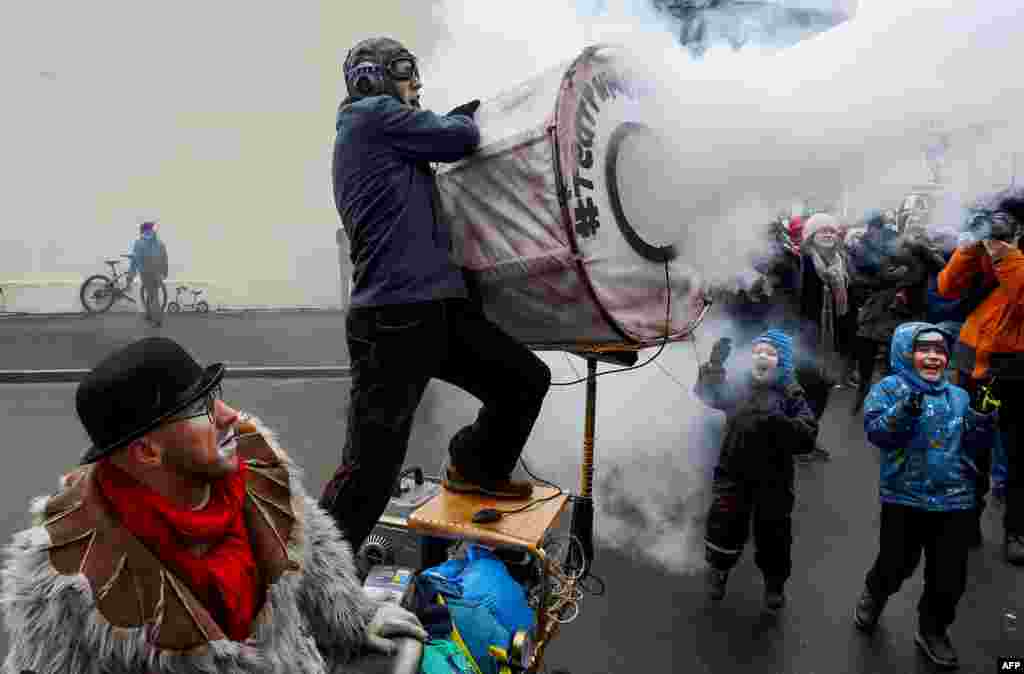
[137, 388]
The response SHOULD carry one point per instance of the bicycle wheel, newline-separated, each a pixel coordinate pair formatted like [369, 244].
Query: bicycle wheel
[97, 294]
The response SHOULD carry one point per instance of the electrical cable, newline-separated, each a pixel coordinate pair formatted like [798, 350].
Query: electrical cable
[671, 376]
[535, 502]
[664, 341]
[571, 366]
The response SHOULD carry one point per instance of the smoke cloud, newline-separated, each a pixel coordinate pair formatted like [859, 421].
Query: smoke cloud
[839, 121]
[218, 120]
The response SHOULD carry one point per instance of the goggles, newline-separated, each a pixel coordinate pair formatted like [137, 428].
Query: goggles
[204, 406]
[403, 67]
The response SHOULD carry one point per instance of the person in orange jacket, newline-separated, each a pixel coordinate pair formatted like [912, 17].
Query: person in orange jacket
[990, 351]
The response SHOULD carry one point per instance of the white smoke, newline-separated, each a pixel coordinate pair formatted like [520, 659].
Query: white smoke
[838, 120]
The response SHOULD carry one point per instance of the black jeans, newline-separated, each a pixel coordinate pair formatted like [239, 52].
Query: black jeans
[769, 503]
[395, 350]
[1009, 391]
[945, 539]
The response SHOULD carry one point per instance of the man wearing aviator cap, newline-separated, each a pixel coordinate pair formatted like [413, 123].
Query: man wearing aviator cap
[184, 543]
[411, 317]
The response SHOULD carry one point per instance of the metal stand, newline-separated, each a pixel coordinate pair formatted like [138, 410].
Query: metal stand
[582, 523]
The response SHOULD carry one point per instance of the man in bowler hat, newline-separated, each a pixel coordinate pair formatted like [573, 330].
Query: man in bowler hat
[184, 542]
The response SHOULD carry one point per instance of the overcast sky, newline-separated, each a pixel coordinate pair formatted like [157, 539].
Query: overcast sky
[218, 118]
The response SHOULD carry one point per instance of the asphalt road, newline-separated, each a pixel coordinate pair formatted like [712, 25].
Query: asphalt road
[243, 338]
[651, 618]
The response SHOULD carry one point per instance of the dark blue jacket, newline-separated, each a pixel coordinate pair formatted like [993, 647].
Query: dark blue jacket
[385, 192]
[928, 462]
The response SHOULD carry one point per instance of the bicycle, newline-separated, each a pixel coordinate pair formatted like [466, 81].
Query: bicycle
[197, 305]
[99, 292]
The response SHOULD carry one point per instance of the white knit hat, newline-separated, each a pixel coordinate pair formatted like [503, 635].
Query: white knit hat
[816, 222]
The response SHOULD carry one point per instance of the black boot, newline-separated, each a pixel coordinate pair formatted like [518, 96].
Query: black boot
[716, 583]
[868, 610]
[937, 646]
[1013, 549]
[774, 595]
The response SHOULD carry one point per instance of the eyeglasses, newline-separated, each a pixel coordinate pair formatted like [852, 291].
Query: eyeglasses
[403, 68]
[207, 405]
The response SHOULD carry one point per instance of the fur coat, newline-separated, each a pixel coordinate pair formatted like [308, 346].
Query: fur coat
[81, 595]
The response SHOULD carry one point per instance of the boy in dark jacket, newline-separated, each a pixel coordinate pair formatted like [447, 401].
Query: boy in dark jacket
[768, 420]
[929, 438]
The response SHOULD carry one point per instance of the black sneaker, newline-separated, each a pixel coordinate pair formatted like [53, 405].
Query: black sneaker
[1013, 549]
[716, 583]
[938, 648]
[868, 610]
[774, 598]
[821, 454]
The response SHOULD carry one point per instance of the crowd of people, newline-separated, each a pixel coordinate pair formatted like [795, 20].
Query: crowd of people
[942, 310]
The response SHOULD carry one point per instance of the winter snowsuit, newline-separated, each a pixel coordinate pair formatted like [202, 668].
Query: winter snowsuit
[766, 424]
[927, 476]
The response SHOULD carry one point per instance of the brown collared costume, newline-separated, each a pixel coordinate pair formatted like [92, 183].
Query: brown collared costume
[81, 594]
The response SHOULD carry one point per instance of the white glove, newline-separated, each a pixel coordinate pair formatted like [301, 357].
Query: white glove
[389, 621]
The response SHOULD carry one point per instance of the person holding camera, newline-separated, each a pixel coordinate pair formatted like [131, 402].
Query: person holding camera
[990, 351]
[412, 316]
[928, 435]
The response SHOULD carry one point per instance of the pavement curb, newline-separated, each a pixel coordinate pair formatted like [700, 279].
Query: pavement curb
[231, 372]
[227, 311]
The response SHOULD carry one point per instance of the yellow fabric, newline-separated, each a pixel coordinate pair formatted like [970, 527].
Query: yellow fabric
[457, 639]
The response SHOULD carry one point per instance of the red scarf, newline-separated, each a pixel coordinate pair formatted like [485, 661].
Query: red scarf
[225, 579]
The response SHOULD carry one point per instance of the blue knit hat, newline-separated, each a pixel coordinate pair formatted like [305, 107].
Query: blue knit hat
[783, 344]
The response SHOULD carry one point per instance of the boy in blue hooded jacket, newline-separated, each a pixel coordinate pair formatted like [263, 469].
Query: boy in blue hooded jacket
[768, 420]
[929, 437]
